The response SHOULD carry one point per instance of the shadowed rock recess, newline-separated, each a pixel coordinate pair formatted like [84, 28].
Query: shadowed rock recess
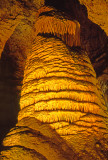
[53, 80]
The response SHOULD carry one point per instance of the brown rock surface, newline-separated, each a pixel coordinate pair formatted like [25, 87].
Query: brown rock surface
[16, 33]
[93, 38]
[93, 18]
[97, 12]
[17, 19]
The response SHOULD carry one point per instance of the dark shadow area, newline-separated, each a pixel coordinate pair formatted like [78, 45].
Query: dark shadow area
[58, 4]
[93, 39]
[10, 88]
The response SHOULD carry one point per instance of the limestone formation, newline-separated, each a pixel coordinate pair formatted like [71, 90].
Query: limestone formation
[74, 30]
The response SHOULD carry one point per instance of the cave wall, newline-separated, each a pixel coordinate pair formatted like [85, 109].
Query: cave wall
[17, 19]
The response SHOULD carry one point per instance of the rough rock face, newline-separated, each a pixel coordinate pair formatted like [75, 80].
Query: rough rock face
[16, 33]
[97, 12]
[93, 38]
[17, 19]
[92, 16]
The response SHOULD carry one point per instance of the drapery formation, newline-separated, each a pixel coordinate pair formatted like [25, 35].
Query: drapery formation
[61, 102]
[52, 22]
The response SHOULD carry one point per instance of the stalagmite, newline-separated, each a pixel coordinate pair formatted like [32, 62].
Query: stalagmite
[60, 102]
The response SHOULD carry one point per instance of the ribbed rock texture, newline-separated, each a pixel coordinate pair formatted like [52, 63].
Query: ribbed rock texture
[30, 35]
[92, 16]
[60, 90]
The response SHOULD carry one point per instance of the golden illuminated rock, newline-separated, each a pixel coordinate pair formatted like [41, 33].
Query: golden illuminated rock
[63, 115]
[63, 97]
[58, 25]
[97, 12]
[9, 19]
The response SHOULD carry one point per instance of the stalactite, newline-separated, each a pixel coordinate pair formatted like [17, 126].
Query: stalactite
[64, 28]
